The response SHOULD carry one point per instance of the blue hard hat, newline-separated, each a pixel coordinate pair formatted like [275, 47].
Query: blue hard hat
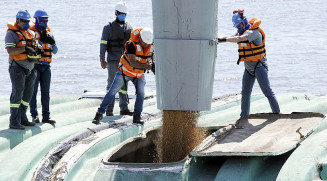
[23, 14]
[40, 13]
[237, 19]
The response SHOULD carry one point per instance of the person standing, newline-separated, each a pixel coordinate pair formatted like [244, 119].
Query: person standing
[132, 66]
[251, 47]
[22, 48]
[42, 68]
[114, 36]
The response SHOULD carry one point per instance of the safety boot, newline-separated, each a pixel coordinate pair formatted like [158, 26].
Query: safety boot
[97, 118]
[109, 113]
[126, 112]
[19, 126]
[26, 123]
[48, 120]
[36, 119]
[137, 119]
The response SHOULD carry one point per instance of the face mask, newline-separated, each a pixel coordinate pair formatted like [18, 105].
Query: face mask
[121, 17]
[240, 31]
[26, 26]
[41, 26]
[247, 26]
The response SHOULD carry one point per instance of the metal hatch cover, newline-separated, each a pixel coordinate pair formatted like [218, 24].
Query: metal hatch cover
[261, 134]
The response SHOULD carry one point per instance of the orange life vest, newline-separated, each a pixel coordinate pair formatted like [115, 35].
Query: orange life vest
[142, 56]
[25, 37]
[47, 57]
[250, 51]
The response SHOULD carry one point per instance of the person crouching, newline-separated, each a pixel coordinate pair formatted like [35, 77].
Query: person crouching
[132, 66]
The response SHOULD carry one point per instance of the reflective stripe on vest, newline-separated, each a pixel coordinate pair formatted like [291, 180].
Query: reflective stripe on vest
[130, 73]
[141, 57]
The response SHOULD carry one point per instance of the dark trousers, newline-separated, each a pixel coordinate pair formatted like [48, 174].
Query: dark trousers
[43, 78]
[22, 81]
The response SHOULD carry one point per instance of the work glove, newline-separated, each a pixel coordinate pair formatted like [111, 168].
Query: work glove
[47, 38]
[153, 68]
[30, 50]
[40, 51]
[221, 40]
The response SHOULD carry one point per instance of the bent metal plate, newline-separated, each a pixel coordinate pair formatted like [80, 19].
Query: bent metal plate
[260, 135]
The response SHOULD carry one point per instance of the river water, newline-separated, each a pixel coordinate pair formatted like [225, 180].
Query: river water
[294, 41]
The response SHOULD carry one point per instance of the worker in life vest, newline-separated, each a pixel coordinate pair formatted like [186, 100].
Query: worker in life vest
[114, 36]
[42, 68]
[252, 51]
[23, 52]
[135, 61]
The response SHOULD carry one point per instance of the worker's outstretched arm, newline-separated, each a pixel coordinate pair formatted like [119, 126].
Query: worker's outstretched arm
[232, 39]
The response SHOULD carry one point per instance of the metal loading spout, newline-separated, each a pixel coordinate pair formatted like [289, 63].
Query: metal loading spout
[185, 58]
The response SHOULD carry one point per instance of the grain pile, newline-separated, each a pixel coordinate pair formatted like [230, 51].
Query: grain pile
[179, 135]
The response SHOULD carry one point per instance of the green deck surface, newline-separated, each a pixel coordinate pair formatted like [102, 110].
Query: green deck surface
[21, 151]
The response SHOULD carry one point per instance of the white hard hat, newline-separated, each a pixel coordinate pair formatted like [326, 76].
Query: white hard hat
[147, 35]
[121, 7]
